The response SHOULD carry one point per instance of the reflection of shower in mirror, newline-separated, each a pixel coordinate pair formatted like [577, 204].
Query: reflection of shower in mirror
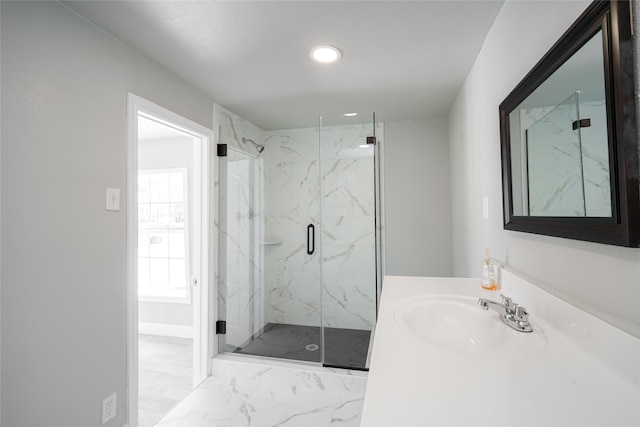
[258, 147]
[566, 159]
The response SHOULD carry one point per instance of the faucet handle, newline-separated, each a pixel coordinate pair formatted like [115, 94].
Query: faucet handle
[506, 301]
[521, 314]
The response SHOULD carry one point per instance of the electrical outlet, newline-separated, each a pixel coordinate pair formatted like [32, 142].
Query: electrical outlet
[109, 407]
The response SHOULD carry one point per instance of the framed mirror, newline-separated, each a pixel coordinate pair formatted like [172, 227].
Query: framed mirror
[569, 137]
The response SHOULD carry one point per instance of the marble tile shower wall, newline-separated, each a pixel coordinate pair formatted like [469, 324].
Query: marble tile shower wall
[292, 203]
[292, 199]
[232, 128]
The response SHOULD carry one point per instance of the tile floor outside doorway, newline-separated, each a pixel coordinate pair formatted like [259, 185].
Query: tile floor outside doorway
[165, 375]
[258, 392]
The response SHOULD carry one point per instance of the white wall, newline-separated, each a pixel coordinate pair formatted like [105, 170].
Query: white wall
[416, 196]
[601, 279]
[64, 140]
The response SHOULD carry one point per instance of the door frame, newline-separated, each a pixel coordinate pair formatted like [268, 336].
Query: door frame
[201, 291]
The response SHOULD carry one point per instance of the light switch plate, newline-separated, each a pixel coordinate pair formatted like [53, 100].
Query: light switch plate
[485, 207]
[113, 199]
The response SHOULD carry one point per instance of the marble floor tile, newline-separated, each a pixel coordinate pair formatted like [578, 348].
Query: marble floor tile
[256, 393]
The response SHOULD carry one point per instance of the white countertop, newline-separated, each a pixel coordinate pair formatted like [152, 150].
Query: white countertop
[587, 375]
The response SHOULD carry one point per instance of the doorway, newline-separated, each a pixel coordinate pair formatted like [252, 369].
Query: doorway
[168, 253]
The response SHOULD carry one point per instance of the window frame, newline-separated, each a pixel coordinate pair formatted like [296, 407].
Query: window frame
[151, 294]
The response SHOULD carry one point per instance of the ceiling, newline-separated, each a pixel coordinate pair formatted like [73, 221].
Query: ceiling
[401, 59]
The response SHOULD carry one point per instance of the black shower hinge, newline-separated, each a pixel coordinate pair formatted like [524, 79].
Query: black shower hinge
[371, 140]
[221, 327]
[582, 123]
[222, 150]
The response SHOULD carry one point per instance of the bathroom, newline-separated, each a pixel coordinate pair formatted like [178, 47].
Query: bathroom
[451, 159]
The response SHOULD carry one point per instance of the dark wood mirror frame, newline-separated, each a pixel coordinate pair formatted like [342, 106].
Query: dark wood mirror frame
[623, 228]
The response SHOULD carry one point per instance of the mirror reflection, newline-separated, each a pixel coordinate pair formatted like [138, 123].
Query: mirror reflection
[559, 142]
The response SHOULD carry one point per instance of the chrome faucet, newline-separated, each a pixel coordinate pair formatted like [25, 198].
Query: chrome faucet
[511, 314]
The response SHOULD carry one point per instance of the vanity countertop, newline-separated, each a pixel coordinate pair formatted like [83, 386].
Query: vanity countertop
[586, 374]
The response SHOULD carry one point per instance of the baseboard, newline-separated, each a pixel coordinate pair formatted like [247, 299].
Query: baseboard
[177, 331]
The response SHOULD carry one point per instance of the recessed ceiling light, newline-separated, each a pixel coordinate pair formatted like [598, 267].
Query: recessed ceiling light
[350, 114]
[325, 54]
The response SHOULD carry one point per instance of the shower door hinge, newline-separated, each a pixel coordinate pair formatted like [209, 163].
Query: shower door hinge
[221, 327]
[371, 140]
[222, 150]
[582, 123]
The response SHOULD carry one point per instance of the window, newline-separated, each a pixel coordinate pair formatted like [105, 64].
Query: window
[162, 235]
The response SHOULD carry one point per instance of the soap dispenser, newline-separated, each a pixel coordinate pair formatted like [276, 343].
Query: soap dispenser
[488, 273]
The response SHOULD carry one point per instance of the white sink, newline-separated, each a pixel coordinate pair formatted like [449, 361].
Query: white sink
[458, 323]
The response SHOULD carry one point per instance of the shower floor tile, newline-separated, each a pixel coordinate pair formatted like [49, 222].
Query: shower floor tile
[343, 347]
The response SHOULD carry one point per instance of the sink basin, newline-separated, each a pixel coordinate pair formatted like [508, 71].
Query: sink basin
[458, 323]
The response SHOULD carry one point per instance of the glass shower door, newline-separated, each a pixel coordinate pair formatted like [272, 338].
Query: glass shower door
[291, 249]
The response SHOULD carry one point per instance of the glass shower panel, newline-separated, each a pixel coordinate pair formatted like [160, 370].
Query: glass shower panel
[554, 163]
[348, 238]
[241, 278]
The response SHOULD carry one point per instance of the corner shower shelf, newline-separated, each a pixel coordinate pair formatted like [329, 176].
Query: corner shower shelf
[271, 241]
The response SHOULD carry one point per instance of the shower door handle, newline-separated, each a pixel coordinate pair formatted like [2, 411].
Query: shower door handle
[311, 239]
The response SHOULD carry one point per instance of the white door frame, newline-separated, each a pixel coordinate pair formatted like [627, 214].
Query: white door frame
[200, 292]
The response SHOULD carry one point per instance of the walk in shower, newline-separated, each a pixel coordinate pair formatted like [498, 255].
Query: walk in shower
[298, 240]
